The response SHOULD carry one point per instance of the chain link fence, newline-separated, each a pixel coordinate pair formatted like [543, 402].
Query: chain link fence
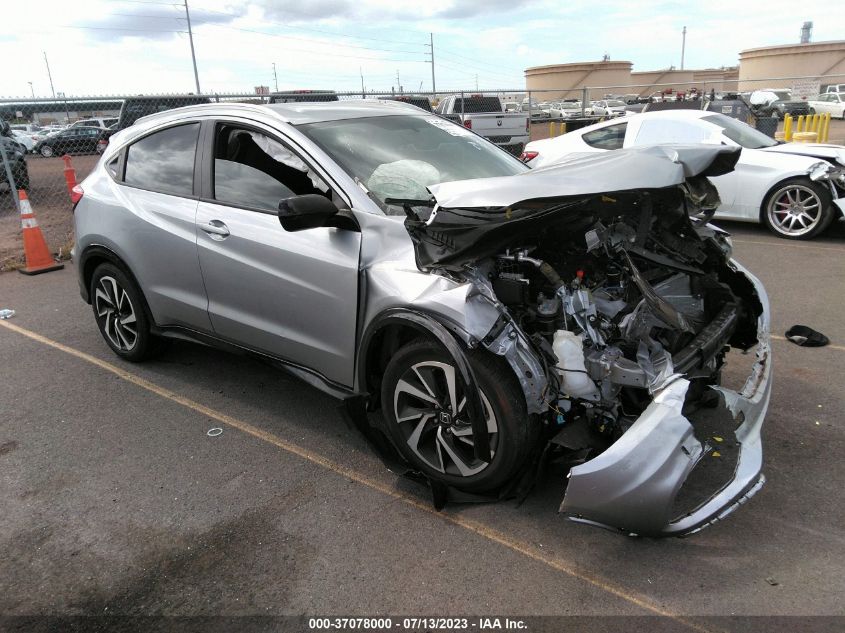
[47, 145]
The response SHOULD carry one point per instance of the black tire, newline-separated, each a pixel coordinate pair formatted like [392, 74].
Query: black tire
[112, 288]
[776, 211]
[47, 151]
[812, 111]
[510, 443]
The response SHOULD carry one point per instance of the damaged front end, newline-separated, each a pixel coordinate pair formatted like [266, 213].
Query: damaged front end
[616, 304]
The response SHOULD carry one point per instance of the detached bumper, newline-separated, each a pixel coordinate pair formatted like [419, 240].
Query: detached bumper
[633, 485]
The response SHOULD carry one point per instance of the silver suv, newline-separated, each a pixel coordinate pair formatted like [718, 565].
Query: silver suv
[496, 317]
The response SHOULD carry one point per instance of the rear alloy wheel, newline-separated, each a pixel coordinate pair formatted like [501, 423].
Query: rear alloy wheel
[118, 309]
[798, 209]
[425, 409]
[46, 151]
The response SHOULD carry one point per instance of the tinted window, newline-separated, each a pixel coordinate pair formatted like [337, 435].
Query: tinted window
[477, 104]
[658, 131]
[164, 161]
[610, 137]
[253, 170]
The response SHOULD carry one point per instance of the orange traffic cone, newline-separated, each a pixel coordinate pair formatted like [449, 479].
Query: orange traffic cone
[38, 258]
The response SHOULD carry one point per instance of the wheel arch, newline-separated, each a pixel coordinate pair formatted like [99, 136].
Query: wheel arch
[394, 328]
[97, 254]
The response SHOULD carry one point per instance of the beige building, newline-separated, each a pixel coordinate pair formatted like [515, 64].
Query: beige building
[564, 81]
[814, 59]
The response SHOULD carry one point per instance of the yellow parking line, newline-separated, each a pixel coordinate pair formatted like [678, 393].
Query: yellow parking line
[838, 348]
[491, 534]
[787, 243]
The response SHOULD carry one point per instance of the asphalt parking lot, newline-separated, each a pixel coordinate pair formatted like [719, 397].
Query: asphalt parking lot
[116, 500]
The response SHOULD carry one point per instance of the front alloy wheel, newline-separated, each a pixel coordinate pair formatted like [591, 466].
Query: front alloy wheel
[424, 405]
[46, 151]
[431, 412]
[798, 210]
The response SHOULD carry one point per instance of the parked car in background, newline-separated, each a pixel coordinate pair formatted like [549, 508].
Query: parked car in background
[307, 234]
[840, 88]
[303, 96]
[102, 123]
[795, 195]
[569, 110]
[780, 108]
[16, 155]
[829, 102]
[26, 128]
[24, 139]
[74, 140]
[421, 101]
[485, 116]
[609, 107]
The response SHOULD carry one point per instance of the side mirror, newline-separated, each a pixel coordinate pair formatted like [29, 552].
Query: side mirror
[308, 211]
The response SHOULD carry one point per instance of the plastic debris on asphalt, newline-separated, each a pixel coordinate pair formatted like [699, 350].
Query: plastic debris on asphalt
[6, 313]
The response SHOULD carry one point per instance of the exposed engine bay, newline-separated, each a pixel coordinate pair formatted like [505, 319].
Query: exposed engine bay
[615, 309]
[621, 303]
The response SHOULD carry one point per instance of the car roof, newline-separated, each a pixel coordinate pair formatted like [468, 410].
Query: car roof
[297, 113]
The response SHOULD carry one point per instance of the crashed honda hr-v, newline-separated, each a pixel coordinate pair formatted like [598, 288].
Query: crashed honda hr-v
[478, 318]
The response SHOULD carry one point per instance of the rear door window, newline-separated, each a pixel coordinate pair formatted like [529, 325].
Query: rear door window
[610, 137]
[164, 160]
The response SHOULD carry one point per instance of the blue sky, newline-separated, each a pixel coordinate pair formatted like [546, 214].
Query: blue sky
[140, 46]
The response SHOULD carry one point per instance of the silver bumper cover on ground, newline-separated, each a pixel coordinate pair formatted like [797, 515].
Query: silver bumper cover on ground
[632, 486]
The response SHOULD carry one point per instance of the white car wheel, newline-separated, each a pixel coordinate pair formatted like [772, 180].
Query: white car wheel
[797, 209]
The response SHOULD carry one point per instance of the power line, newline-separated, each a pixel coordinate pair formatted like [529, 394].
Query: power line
[478, 61]
[115, 28]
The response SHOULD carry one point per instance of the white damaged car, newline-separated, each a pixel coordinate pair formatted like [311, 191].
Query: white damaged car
[795, 189]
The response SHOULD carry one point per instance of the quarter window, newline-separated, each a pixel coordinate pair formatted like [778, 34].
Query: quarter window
[254, 170]
[610, 137]
[164, 161]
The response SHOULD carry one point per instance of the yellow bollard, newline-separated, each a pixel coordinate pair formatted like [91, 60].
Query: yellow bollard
[799, 126]
[825, 135]
[551, 129]
[815, 126]
[787, 128]
[563, 127]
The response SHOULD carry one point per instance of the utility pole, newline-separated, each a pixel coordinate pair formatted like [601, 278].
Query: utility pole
[683, 46]
[476, 83]
[275, 78]
[431, 46]
[31, 89]
[398, 83]
[49, 76]
[363, 92]
[193, 54]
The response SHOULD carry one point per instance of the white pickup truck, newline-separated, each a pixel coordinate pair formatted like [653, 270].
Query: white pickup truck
[485, 116]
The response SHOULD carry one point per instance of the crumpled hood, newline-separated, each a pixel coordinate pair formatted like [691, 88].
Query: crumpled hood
[474, 219]
[815, 150]
[649, 167]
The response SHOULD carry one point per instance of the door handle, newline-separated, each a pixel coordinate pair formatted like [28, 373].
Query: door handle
[216, 230]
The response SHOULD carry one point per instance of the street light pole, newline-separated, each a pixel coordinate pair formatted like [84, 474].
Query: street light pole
[49, 76]
[431, 45]
[275, 78]
[683, 46]
[193, 54]
[31, 89]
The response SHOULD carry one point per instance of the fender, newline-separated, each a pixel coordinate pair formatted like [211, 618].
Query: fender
[428, 325]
